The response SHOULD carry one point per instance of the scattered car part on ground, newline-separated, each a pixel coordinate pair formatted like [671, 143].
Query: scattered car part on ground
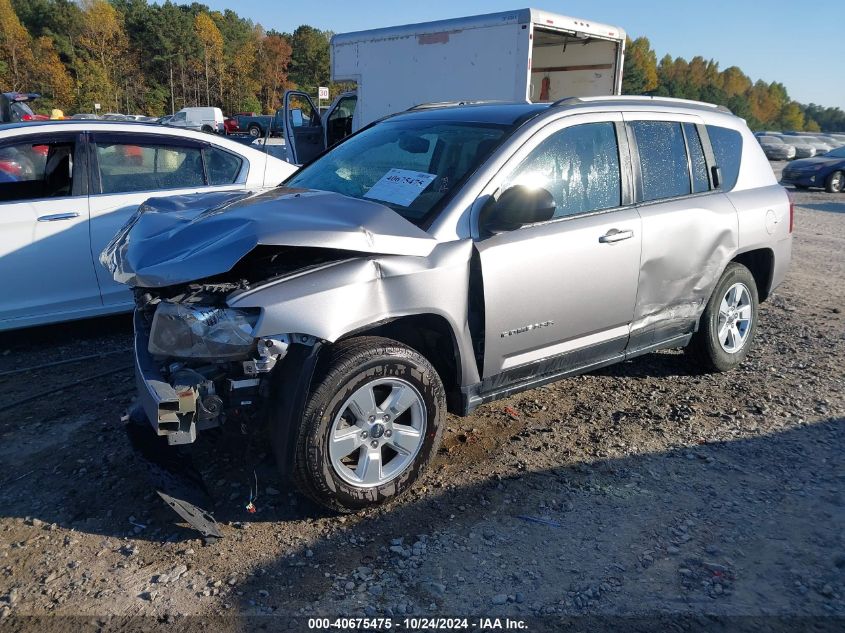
[407, 271]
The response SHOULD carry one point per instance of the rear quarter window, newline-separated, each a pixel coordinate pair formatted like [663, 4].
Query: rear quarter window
[727, 148]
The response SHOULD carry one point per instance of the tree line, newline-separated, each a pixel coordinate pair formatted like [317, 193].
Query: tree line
[136, 57]
[765, 106]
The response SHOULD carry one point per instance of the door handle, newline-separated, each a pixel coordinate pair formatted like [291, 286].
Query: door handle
[53, 217]
[615, 235]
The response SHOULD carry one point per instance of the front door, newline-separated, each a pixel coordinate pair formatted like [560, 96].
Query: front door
[338, 120]
[304, 135]
[45, 255]
[560, 295]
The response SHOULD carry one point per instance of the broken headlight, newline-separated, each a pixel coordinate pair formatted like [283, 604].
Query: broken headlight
[202, 332]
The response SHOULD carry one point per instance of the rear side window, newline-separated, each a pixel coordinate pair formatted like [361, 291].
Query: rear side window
[222, 167]
[579, 166]
[727, 148]
[698, 164]
[129, 167]
[36, 170]
[663, 159]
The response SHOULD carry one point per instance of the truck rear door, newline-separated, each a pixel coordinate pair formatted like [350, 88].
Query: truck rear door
[304, 133]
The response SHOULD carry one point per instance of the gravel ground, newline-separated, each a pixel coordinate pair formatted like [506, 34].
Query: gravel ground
[642, 488]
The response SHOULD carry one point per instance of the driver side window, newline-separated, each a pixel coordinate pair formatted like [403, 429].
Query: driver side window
[302, 113]
[578, 165]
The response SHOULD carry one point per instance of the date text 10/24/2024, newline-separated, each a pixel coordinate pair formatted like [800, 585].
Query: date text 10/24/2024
[418, 624]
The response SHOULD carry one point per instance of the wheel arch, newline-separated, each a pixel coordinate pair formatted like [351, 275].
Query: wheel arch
[761, 263]
[432, 336]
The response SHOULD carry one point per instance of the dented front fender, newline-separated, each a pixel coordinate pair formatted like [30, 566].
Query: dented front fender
[346, 296]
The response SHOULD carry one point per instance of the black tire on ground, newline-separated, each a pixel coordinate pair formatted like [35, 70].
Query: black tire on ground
[254, 131]
[705, 346]
[835, 182]
[351, 365]
[208, 129]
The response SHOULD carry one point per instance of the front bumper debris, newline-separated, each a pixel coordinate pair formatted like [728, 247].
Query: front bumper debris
[176, 414]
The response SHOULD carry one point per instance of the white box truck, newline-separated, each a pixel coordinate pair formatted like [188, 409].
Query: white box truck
[523, 55]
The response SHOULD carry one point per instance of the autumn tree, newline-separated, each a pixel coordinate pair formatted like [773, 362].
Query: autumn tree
[274, 60]
[212, 50]
[16, 45]
[640, 73]
[50, 76]
[105, 43]
[791, 117]
[242, 81]
[309, 66]
[734, 82]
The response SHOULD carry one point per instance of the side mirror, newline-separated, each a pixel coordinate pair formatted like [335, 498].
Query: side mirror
[517, 206]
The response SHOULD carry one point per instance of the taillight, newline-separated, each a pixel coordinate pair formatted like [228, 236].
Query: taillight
[27, 117]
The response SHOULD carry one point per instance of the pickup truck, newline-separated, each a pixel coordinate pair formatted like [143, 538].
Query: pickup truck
[256, 125]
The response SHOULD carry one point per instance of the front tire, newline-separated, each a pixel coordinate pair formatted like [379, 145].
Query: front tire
[834, 182]
[371, 425]
[727, 326]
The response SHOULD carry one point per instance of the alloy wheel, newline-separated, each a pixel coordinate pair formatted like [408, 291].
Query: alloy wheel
[735, 315]
[377, 433]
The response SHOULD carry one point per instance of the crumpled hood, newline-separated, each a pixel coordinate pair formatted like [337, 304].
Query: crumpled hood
[185, 238]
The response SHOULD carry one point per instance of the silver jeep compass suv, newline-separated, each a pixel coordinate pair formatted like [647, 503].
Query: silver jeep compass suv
[443, 258]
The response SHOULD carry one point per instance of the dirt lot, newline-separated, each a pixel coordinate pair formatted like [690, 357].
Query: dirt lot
[638, 489]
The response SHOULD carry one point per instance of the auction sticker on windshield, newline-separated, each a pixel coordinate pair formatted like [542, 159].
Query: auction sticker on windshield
[400, 186]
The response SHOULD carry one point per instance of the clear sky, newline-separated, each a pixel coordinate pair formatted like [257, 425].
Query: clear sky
[800, 44]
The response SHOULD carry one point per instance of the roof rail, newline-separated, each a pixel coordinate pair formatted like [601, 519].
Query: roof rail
[452, 104]
[640, 98]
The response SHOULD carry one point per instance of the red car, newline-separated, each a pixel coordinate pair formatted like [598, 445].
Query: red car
[231, 123]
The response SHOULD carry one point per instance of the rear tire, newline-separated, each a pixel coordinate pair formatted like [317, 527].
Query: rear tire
[834, 182]
[375, 394]
[727, 326]
[254, 131]
[208, 129]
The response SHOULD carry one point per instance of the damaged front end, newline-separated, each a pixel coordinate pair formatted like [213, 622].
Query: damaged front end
[199, 360]
[198, 364]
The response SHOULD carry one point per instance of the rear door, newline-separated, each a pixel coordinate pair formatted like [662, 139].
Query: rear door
[304, 134]
[129, 168]
[45, 253]
[689, 226]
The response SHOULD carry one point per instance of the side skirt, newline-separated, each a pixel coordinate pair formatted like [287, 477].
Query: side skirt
[552, 369]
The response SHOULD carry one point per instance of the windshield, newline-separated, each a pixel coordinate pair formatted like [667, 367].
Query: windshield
[409, 166]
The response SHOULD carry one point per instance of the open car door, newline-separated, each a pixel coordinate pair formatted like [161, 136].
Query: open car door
[304, 134]
[337, 120]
